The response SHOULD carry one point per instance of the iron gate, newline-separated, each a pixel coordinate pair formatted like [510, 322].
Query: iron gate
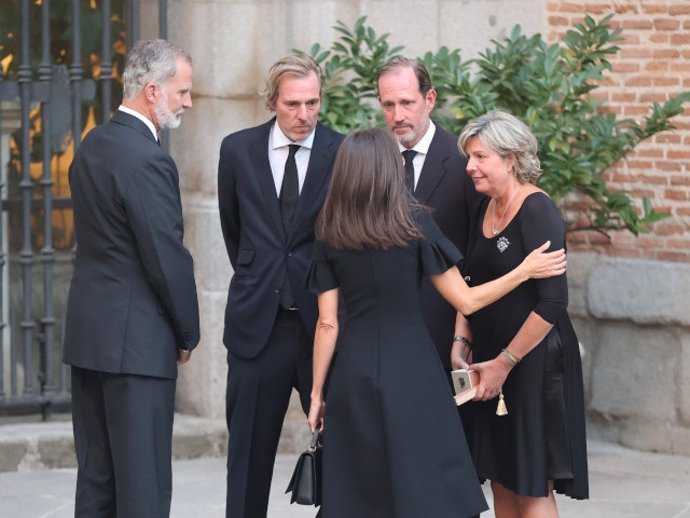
[59, 60]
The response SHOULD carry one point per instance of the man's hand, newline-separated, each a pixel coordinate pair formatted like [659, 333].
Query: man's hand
[183, 356]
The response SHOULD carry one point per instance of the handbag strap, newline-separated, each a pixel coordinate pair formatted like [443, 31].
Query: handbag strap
[314, 439]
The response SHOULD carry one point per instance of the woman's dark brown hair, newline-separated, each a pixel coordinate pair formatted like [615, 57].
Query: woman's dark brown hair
[368, 205]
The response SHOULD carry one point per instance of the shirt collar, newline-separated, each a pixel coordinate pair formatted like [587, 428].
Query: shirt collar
[142, 118]
[423, 145]
[278, 138]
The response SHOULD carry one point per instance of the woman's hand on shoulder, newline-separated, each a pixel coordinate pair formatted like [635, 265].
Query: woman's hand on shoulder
[540, 264]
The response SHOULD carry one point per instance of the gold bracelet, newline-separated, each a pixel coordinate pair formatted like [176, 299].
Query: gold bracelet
[510, 357]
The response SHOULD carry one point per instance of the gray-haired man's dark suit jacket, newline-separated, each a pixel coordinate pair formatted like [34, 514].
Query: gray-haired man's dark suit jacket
[132, 303]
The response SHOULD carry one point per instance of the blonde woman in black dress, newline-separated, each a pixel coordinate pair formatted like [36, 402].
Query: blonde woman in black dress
[394, 446]
[523, 344]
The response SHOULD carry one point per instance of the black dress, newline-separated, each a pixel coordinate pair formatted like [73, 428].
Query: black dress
[394, 445]
[543, 436]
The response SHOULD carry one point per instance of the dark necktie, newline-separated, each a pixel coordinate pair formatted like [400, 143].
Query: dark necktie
[289, 191]
[409, 155]
[289, 196]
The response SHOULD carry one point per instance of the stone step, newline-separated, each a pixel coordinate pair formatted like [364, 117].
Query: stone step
[30, 444]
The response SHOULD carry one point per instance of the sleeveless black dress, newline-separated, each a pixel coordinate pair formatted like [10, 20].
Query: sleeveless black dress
[543, 436]
[394, 445]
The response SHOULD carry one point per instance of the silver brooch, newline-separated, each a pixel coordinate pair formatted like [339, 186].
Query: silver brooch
[502, 244]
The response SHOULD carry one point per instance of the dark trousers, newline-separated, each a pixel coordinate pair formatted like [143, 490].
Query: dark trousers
[123, 441]
[257, 397]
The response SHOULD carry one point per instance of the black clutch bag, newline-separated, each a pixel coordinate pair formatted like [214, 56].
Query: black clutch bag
[305, 483]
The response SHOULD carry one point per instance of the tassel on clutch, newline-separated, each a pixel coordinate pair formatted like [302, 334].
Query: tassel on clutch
[501, 408]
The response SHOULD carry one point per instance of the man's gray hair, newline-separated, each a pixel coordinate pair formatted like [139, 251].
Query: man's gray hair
[150, 61]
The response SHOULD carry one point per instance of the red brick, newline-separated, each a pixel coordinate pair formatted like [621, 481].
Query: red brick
[662, 209]
[665, 165]
[659, 37]
[683, 211]
[597, 238]
[678, 155]
[642, 193]
[676, 194]
[597, 8]
[649, 152]
[667, 138]
[630, 38]
[666, 24]
[666, 255]
[680, 39]
[675, 10]
[636, 53]
[656, 97]
[631, 111]
[628, 253]
[666, 81]
[626, 68]
[636, 25]
[654, 180]
[679, 179]
[656, 66]
[654, 8]
[678, 243]
[569, 7]
[666, 54]
[623, 97]
[620, 8]
[639, 81]
[558, 21]
[669, 227]
[639, 164]
[648, 241]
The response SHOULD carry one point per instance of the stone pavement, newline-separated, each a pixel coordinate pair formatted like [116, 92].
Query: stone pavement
[623, 483]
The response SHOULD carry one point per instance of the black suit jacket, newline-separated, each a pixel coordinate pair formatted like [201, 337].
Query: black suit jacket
[445, 186]
[260, 252]
[132, 300]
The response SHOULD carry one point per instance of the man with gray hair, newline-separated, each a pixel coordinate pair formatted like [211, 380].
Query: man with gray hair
[272, 181]
[132, 312]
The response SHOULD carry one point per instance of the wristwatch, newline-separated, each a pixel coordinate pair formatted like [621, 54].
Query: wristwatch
[463, 339]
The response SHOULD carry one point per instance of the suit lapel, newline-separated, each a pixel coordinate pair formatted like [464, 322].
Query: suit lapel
[434, 169]
[259, 149]
[317, 174]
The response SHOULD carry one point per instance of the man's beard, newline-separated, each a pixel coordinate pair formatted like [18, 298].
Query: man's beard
[165, 117]
[414, 134]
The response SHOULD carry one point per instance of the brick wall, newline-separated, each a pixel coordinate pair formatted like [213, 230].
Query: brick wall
[653, 64]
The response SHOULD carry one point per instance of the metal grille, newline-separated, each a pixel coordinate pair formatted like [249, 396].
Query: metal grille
[58, 66]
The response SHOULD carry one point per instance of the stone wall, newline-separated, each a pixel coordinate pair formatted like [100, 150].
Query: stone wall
[633, 320]
[631, 315]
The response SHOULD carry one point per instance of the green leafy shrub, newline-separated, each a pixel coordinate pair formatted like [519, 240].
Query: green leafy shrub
[548, 86]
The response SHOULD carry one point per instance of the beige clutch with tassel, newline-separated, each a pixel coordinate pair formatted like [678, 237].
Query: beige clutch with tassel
[465, 384]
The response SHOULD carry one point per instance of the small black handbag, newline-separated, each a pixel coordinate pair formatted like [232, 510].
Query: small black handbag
[305, 483]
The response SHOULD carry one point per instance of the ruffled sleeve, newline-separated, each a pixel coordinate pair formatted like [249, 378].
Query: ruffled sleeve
[438, 253]
[320, 277]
